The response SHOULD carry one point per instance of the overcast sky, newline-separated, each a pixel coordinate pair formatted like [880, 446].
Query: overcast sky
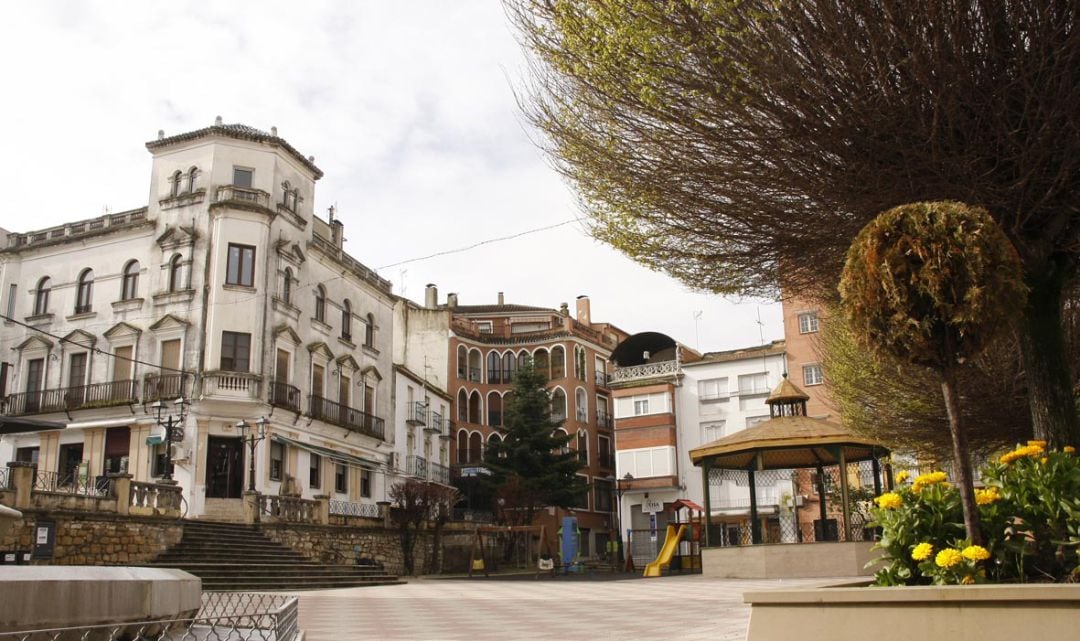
[408, 108]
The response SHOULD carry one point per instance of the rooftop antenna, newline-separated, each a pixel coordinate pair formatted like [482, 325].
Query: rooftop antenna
[401, 277]
[697, 334]
[330, 211]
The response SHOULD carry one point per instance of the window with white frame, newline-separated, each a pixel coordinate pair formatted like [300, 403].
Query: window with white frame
[812, 375]
[754, 383]
[641, 404]
[713, 389]
[647, 462]
[712, 431]
[484, 327]
[808, 322]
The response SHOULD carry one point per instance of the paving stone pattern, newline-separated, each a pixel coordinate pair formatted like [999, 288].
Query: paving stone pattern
[670, 608]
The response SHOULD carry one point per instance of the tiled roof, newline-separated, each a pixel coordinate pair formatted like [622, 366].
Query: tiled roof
[496, 309]
[238, 131]
[775, 347]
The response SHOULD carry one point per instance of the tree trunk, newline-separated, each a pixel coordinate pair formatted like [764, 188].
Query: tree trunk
[1046, 365]
[408, 541]
[961, 457]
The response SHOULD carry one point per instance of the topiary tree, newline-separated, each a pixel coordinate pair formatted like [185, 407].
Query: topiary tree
[933, 283]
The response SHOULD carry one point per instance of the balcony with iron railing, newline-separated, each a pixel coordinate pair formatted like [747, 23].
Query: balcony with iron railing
[350, 418]
[474, 374]
[434, 424]
[163, 387]
[601, 379]
[603, 420]
[72, 398]
[500, 377]
[438, 473]
[606, 460]
[416, 413]
[416, 466]
[285, 395]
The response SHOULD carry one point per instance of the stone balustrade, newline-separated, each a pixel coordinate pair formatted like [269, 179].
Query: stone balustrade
[27, 488]
[290, 509]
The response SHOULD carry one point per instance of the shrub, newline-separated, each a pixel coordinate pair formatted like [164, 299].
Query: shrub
[1029, 513]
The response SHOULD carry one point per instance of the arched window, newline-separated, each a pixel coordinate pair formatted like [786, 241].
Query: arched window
[462, 406]
[193, 173]
[320, 304]
[564, 439]
[522, 358]
[474, 407]
[476, 447]
[509, 363]
[494, 366]
[495, 409]
[581, 405]
[558, 362]
[558, 404]
[462, 362]
[177, 181]
[41, 296]
[462, 446]
[346, 319]
[130, 285]
[540, 362]
[286, 288]
[85, 293]
[286, 195]
[175, 273]
[583, 447]
[579, 363]
[475, 363]
[369, 331]
[496, 440]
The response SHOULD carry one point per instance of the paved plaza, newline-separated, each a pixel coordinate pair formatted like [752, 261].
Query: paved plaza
[670, 608]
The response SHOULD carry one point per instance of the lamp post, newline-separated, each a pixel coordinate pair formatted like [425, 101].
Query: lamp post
[258, 433]
[174, 430]
[617, 483]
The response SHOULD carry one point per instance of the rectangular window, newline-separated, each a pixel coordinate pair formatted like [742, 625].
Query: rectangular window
[341, 479]
[484, 327]
[11, 300]
[712, 431]
[581, 498]
[641, 407]
[314, 471]
[235, 352]
[277, 460]
[241, 265]
[365, 483]
[242, 177]
[712, 389]
[812, 375]
[77, 370]
[122, 363]
[754, 384]
[604, 490]
[157, 460]
[808, 322]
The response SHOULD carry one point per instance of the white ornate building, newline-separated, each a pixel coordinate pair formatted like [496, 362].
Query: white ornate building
[225, 290]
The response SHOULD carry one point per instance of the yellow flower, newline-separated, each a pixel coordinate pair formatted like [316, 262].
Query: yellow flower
[902, 476]
[1069, 449]
[975, 553]
[948, 558]
[1039, 444]
[922, 552]
[933, 478]
[1032, 449]
[987, 496]
[1043, 460]
[889, 500]
[968, 580]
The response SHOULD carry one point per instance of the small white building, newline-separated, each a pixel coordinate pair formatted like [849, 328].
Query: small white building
[225, 290]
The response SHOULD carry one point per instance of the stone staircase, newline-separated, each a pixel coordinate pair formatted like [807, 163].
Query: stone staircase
[238, 557]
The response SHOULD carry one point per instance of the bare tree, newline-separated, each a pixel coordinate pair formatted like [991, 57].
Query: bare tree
[740, 145]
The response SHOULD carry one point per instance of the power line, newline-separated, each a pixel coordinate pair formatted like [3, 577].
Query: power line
[482, 243]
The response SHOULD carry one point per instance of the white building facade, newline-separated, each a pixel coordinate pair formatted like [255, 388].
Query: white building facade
[225, 290]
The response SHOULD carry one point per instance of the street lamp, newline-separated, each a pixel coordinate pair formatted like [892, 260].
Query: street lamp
[618, 506]
[174, 430]
[257, 434]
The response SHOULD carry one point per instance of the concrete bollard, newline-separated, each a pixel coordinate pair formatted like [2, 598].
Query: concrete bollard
[120, 489]
[322, 515]
[22, 479]
[251, 507]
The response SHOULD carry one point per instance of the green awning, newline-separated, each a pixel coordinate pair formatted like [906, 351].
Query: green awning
[155, 440]
[334, 455]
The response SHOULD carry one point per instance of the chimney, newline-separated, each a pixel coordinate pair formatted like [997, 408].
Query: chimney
[502, 300]
[217, 121]
[584, 311]
[564, 309]
[451, 300]
[431, 296]
[161, 134]
[273, 132]
[337, 228]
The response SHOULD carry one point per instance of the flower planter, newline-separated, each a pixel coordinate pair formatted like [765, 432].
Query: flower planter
[956, 613]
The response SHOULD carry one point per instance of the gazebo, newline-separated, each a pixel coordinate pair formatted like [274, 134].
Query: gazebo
[822, 461]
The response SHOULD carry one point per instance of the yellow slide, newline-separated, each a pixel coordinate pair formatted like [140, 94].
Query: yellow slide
[671, 543]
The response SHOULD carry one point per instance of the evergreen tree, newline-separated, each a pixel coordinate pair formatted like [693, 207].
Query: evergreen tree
[532, 467]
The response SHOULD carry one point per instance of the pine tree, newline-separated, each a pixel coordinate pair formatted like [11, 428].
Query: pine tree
[532, 467]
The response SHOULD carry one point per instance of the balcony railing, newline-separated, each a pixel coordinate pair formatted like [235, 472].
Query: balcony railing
[500, 377]
[582, 416]
[603, 420]
[439, 473]
[416, 466]
[474, 374]
[416, 413]
[285, 395]
[601, 379]
[435, 423]
[232, 384]
[71, 398]
[227, 193]
[471, 456]
[162, 387]
[495, 418]
[347, 417]
[607, 460]
[648, 370]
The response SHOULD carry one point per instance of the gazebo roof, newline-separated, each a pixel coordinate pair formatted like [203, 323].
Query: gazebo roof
[786, 391]
[787, 442]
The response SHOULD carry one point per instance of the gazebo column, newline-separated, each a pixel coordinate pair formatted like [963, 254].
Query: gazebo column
[755, 524]
[876, 467]
[705, 473]
[823, 511]
[845, 504]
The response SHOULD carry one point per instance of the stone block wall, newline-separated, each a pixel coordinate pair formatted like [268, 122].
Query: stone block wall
[95, 539]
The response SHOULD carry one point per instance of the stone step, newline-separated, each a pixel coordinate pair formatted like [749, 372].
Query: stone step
[271, 584]
[201, 543]
[240, 570]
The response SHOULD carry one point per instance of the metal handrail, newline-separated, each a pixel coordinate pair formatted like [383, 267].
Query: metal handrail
[71, 398]
[285, 395]
[326, 410]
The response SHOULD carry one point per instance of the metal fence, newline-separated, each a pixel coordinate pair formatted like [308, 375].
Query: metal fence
[349, 508]
[71, 484]
[224, 616]
[5, 478]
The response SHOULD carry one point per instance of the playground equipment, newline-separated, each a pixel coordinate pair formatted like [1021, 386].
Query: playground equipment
[671, 544]
[682, 540]
[516, 543]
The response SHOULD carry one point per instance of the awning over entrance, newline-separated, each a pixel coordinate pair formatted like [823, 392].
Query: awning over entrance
[334, 455]
[19, 425]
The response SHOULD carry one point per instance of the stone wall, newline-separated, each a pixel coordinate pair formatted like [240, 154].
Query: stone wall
[345, 545]
[95, 539]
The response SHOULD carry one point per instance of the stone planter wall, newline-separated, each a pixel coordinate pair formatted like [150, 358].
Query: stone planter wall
[956, 613]
[789, 561]
[95, 539]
